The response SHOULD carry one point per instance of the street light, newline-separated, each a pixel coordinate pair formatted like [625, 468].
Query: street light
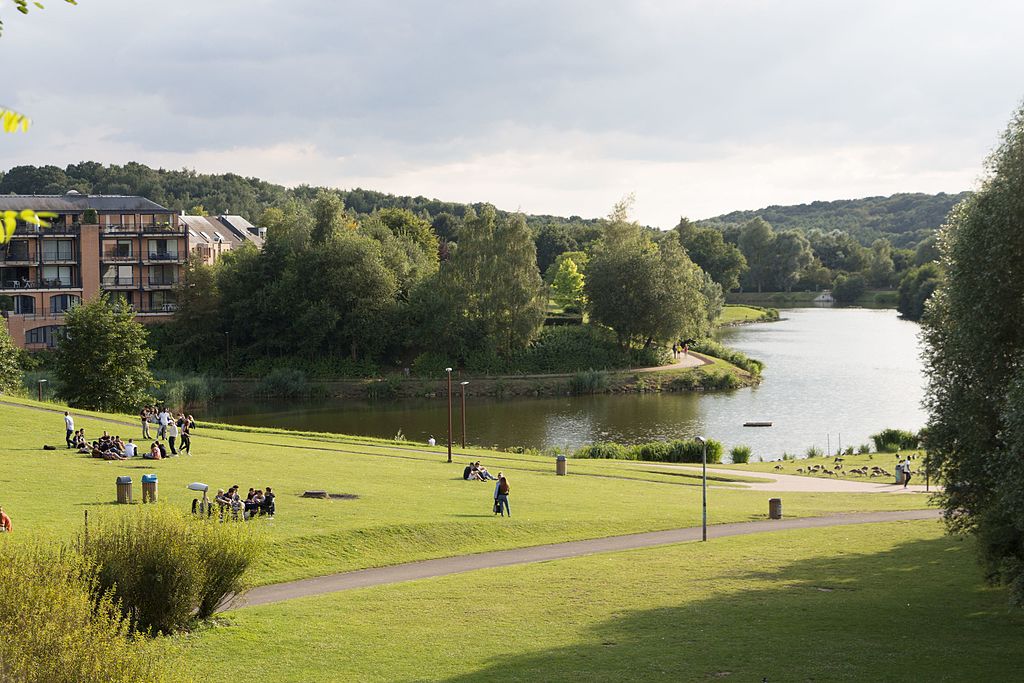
[463, 413]
[449, 371]
[704, 487]
[40, 385]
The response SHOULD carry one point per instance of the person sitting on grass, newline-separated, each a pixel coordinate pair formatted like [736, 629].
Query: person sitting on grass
[484, 474]
[5, 522]
[154, 453]
[267, 506]
[129, 449]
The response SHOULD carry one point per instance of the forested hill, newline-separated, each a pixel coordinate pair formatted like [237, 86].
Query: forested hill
[903, 219]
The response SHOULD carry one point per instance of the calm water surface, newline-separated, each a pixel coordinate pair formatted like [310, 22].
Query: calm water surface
[832, 376]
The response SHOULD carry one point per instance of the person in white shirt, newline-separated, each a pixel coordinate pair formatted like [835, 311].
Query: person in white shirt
[129, 449]
[164, 419]
[172, 435]
[69, 425]
[431, 442]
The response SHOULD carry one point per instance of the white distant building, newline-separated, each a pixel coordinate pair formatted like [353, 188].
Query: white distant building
[824, 298]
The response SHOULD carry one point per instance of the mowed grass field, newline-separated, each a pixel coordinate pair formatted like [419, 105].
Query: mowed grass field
[800, 467]
[409, 503]
[875, 602]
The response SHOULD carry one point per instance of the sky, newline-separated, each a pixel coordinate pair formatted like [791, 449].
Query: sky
[554, 106]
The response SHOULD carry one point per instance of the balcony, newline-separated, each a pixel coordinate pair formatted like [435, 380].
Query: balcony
[160, 309]
[17, 258]
[59, 257]
[161, 282]
[23, 284]
[164, 256]
[113, 256]
[148, 229]
[119, 282]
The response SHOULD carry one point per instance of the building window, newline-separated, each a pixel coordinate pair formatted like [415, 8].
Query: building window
[162, 302]
[17, 250]
[43, 335]
[163, 275]
[63, 302]
[24, 304]
[58, 250]
[58, 276]
[118, 276]
[121, 297]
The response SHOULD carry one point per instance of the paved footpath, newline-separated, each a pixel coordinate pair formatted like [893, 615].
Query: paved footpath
[556, 551]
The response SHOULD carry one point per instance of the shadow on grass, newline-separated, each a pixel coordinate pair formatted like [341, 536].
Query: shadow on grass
[916, 612]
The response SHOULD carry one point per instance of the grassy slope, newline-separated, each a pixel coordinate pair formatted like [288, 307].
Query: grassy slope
[411, 505]
[740, 314]
[892, 602]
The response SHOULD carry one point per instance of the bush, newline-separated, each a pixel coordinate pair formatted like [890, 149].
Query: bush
[58, 627]
[605, 450]
[740, 454]
[889, 440]
[285, 383]
[186, 391]
[588, 382]
[864, 448]
[163, 566]
[814, 452]
[690, 451]
[431, 364]
[711, 347]
[383, 389]
[656, 451]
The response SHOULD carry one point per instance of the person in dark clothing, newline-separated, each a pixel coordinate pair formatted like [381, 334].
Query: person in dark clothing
[268, 507]
[465, 472]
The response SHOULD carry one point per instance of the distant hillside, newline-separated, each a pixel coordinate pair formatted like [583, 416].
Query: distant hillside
[903, 219]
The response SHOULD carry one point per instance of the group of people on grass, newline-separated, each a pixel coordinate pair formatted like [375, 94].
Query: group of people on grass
[476, 472]
[106, 447]
[176, 429]
[169, 426]
[257, 502]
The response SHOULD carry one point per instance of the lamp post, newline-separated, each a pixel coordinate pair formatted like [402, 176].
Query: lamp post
[40, 386]
[704, 487]
[449, 371]
[463, 384]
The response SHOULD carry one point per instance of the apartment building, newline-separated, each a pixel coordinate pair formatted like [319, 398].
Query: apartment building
[210, 236]
[133, 249]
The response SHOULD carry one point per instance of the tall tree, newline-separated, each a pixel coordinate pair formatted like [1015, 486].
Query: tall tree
[790, 255]
[881, 269]
[707, 248]
[328, 216]
[102, 359]
[974, 334]
[495, 274]
[567, 287]
[755, 241]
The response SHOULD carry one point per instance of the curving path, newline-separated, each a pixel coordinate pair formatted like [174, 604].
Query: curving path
[412, 571]
[794, 482]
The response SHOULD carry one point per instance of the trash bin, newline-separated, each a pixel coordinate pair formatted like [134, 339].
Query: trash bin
[899, 475]
[560, 465]
[124, 490]
[775, 508]
[148, 488]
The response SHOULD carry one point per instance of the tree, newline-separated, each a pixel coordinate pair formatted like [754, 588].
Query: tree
[848, 288]
[916, 287]
[198, 325]
[755, 241]
[708, 249]
[329, 217]
[10, 368]
[494, 272]
[102, 360]
[642, 290]
[567, 286]
[880, 266]
[974, 350]
[790, 255]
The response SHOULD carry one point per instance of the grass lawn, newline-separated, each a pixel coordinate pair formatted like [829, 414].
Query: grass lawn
[877, 602]
[410, 504]
[732, 314]
[887, 461]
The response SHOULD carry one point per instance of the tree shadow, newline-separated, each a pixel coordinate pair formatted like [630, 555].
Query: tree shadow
[915, 612]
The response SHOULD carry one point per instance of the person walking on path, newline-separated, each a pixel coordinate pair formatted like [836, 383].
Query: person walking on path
[906, 472]
[501, 496]
[69, 426]
[5, 522]
[186, 434]
[164, 419]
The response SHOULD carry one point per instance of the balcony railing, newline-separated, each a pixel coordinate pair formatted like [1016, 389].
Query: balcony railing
[58, 257]
[158, 309]
[119, 282]
[162, 281]
[40, 283]
[163, 256]
[150, 228]
[16, 257]
[118, 256]
[27, 229]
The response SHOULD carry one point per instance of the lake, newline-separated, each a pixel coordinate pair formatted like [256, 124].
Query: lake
[833, 376]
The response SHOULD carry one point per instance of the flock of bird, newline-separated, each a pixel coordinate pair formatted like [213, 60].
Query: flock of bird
[836, 469]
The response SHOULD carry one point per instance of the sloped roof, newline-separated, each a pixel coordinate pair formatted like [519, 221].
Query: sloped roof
[74, 201]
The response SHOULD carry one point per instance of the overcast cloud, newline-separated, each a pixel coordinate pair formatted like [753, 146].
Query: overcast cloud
[551, 107]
